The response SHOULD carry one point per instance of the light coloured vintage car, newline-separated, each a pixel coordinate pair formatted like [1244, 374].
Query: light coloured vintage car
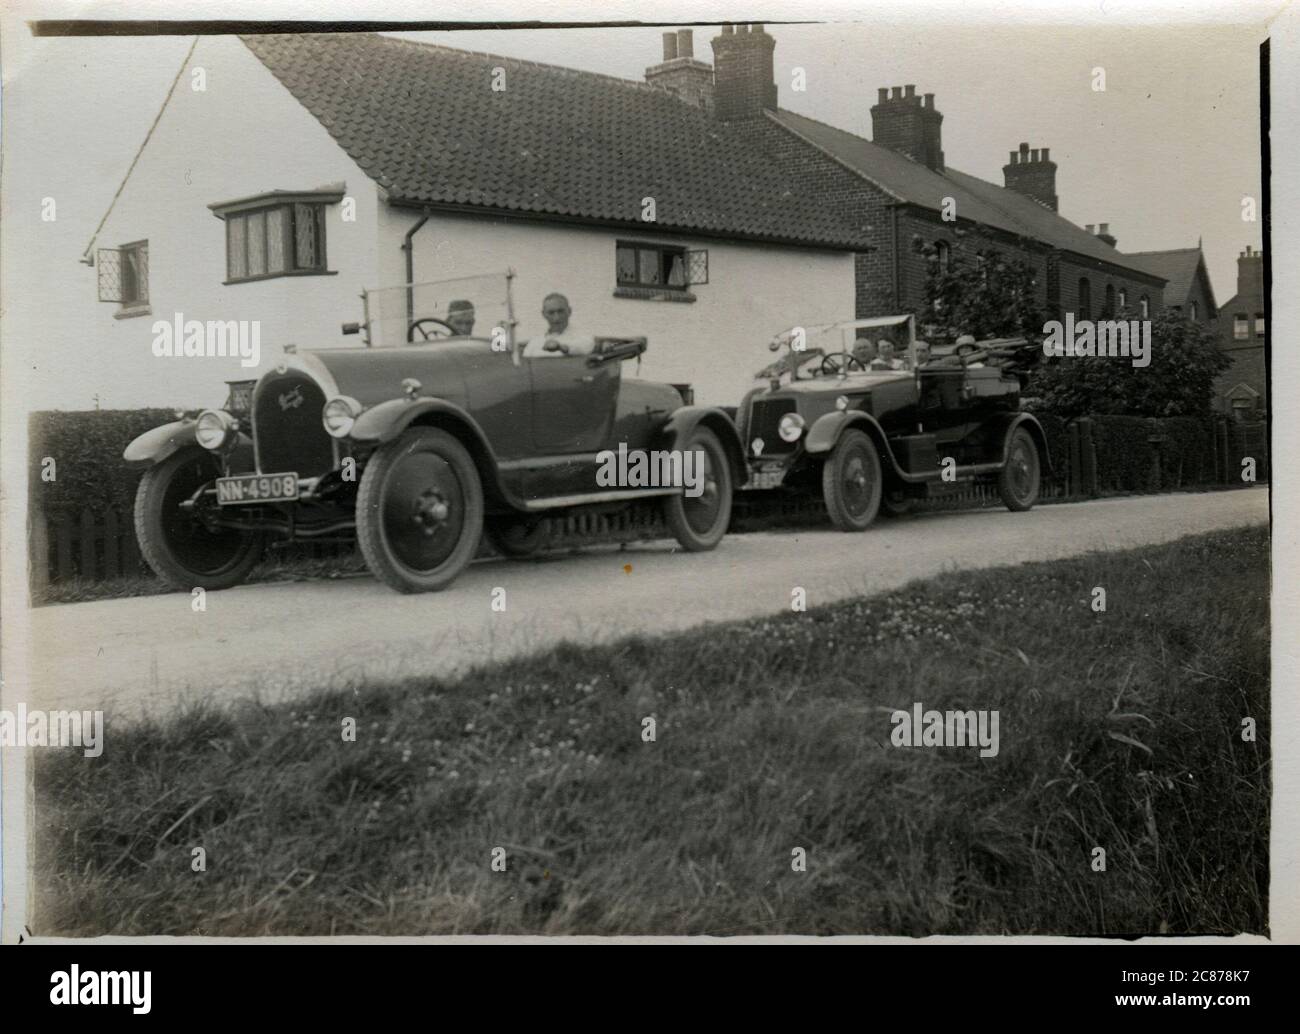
[824, 422]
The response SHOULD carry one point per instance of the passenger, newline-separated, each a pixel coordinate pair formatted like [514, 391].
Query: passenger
[864, 350]
[560, 338]
[886, 360]
[460, 317]
[922, 351]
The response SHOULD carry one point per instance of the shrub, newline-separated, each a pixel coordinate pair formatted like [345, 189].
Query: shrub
[87, 450]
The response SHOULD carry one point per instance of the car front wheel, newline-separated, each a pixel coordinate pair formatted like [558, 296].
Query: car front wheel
[851, 482]
[1019, 479]
[183, 549]
[699, 522]
[419, 511]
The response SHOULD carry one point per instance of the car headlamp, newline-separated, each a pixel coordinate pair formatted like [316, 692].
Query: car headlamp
[339, 414]
[790, 427]
[215, 429]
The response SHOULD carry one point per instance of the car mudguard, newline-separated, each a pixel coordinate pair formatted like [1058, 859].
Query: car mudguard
[156, 445]
[386, 421]
[683, 421]
[1010, 422]
[828, 427]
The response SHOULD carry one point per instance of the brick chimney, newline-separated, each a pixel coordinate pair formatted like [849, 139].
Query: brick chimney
[904, 122]
[1250, 274]
[680, 73]
[1033, 174]
[743, 82]
[1104, 234]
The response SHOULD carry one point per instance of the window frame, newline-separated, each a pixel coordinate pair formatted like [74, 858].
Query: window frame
[1240, 326]
[1259, 324]
[1083, 299]
[663, 251]
[1144, 307]
[244, 209]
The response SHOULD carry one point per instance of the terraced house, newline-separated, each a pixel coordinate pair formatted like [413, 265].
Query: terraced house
[690, 207]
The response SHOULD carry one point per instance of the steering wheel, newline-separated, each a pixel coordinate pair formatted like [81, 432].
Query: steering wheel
[841, 362]
[443, 329]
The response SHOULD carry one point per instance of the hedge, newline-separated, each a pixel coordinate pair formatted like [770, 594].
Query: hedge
[86, 447]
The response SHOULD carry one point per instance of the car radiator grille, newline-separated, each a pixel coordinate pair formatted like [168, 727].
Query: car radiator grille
[287, 430]
[764, 418]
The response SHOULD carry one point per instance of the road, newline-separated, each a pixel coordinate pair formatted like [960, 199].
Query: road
[274, 640]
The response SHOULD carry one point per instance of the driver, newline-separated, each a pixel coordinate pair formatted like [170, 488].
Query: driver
[560, 338]
[460, 317]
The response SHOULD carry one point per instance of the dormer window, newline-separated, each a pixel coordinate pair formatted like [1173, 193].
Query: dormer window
[276, 234]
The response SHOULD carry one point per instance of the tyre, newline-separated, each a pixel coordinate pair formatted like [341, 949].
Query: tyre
[699, 523]
[851, 482]
[180, 548]
[518, 537]
[1019, 478]
[419, 511]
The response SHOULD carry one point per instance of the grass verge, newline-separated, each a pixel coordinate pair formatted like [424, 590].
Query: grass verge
[1120, 730]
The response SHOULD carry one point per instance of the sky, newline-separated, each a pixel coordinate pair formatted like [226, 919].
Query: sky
[1164, 155]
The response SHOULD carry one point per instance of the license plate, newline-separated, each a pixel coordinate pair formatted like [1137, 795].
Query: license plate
[761, 479]
[257, 488]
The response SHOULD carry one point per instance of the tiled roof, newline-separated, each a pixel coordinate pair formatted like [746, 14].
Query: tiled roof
[1179, 266]
[425, 123]
[976, 199]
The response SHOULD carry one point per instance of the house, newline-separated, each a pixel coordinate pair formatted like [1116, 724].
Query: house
[1242, 389]
[1187, 287]
[309, 167]
[287, 173]
[900, 187]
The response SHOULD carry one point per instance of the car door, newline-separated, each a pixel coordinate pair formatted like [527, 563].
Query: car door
[573, 417]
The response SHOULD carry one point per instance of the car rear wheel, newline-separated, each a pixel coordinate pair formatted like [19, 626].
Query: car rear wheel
[419, 511]
[700, 522]
[1019, 479]
[851, 482]
[182, 549]
[518, 537]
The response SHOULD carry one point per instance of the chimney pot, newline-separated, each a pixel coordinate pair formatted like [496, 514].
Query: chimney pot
[1088, 227]
[896, 93]
[1024, 148]
[929, 100]
[882, 95]
[909, 90]
[1103, 228]
[685, 43]
[728, 30]
[1044, 153]
[1033, 155]
[1014, 156]
[670, 45]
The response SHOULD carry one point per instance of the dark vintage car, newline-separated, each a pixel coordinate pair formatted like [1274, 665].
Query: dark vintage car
[418, 450]
[869, 439]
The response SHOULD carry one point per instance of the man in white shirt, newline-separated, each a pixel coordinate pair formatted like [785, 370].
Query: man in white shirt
[560, 338]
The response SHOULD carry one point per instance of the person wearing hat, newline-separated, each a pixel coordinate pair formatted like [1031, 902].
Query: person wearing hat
[460, 317]
[885, 358]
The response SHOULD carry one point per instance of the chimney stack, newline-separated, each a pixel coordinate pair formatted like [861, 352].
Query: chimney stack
[744, 85]
[904, 122]
[1033, 174]
[680, 74]
[1104, 234]
[1250, 273]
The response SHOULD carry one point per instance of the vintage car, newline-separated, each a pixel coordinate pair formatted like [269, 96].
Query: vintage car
[824, 421]
[417, 450]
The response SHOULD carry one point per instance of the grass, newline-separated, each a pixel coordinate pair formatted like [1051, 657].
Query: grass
[1119, 730]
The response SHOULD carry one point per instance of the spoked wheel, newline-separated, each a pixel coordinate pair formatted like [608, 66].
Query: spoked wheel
[699, 522]
[183, 549]
[1019, 479]
[851, 482]
[518, 537]
[419, 511]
